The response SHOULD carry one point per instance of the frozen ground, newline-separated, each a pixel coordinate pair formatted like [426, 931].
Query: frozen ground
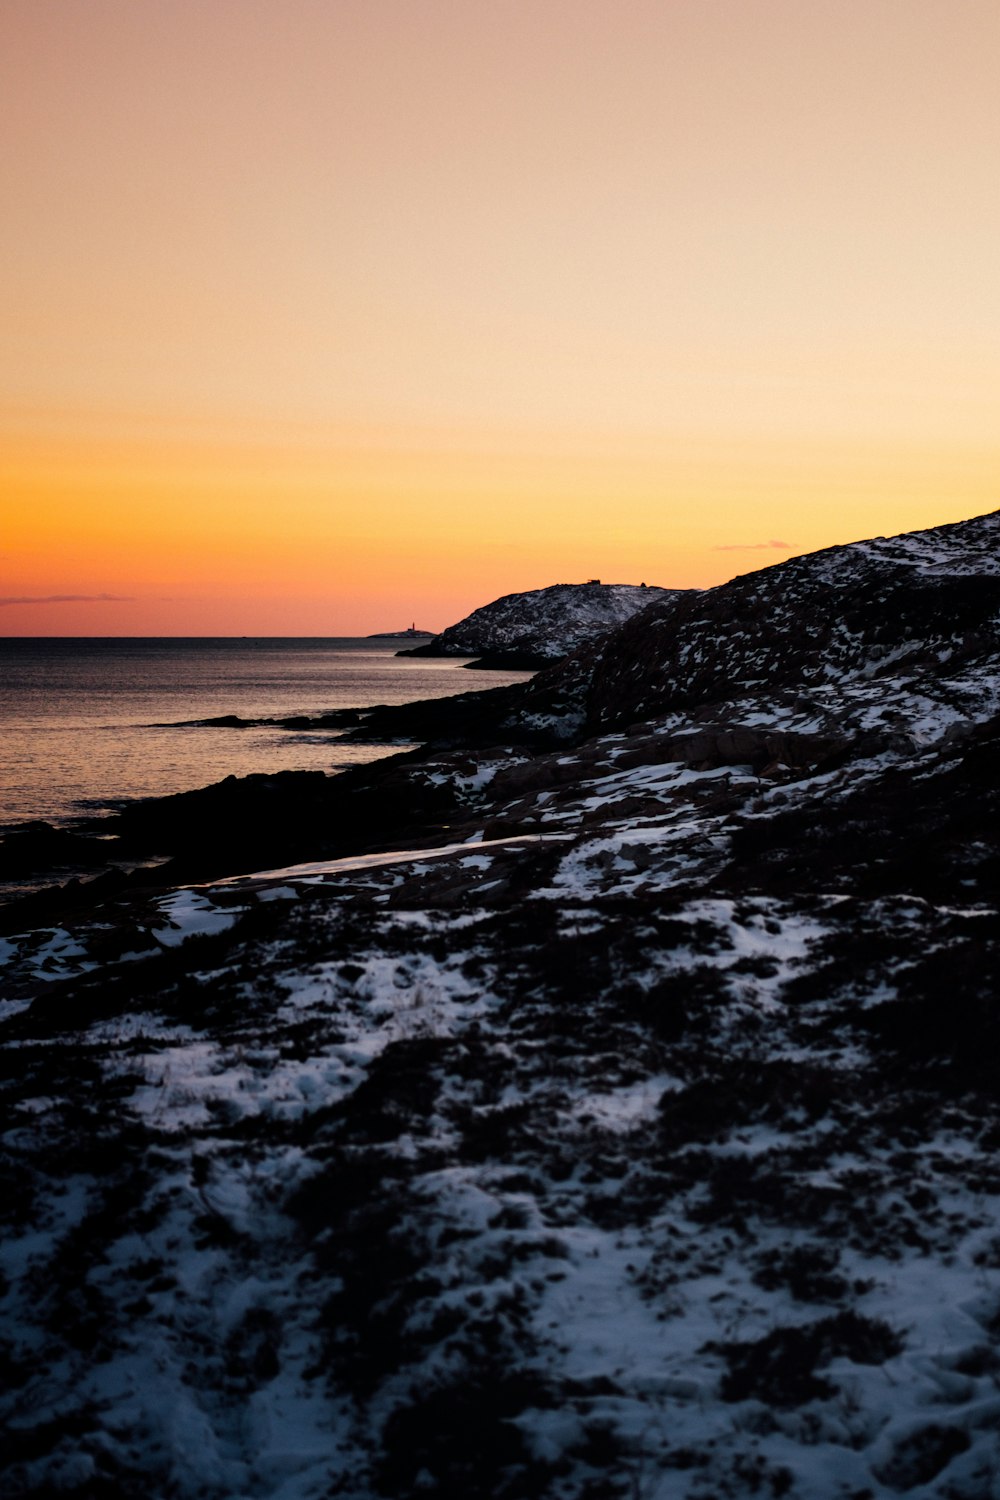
[639, 1140]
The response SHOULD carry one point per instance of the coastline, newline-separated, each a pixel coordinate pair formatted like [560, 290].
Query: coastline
[91, 726]
[233, 824]
[609, 1093]
[519, 1125]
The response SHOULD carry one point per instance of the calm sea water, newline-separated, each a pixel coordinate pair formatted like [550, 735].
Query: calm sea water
[76, 715]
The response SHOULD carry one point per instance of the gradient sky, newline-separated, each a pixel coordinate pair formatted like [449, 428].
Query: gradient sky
[321, 316]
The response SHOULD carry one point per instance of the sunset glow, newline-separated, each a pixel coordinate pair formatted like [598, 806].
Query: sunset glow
[331, 315]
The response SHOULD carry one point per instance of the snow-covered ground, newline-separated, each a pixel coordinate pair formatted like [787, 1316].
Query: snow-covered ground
[366, 1200]
[638, 1140]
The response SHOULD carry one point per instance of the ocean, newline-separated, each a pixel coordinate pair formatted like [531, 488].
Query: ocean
[86, 723]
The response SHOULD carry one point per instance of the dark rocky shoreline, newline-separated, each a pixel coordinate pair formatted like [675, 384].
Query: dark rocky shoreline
[242, 823]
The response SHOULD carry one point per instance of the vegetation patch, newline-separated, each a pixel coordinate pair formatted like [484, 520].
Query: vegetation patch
[780, 1368]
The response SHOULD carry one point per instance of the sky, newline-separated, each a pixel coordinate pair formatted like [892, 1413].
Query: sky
[326, 316]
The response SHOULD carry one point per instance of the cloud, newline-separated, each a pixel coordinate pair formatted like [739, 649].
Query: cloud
[66, 599]
[755, 547]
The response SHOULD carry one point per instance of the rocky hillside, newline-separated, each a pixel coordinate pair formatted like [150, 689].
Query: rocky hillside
[891, 634]
[924, 604]
[635, 1135]
[542, 626]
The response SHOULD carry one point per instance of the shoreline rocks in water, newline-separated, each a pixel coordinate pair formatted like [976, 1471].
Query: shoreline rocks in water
[39, 846]
[239, 822]
[338, 718]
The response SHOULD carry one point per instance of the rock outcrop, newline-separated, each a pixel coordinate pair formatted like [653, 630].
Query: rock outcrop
[537, 628]
[925, 605]
[890, 636]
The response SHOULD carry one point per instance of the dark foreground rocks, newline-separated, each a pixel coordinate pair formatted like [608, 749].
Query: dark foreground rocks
[37, 846]
[605, 1160]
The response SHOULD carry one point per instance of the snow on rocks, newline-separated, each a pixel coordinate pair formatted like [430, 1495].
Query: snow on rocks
[879, 618]
[552, 1203]
[542, 625]
[637, 1139]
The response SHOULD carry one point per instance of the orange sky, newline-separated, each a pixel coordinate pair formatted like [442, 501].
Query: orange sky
[326, 315]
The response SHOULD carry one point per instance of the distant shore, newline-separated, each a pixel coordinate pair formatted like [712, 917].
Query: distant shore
[401, 635]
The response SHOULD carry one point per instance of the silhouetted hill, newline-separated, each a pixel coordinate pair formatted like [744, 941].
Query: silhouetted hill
[541, 626]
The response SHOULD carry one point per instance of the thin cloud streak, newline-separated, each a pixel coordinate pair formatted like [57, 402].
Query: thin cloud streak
[66, 599]
[754, 547]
